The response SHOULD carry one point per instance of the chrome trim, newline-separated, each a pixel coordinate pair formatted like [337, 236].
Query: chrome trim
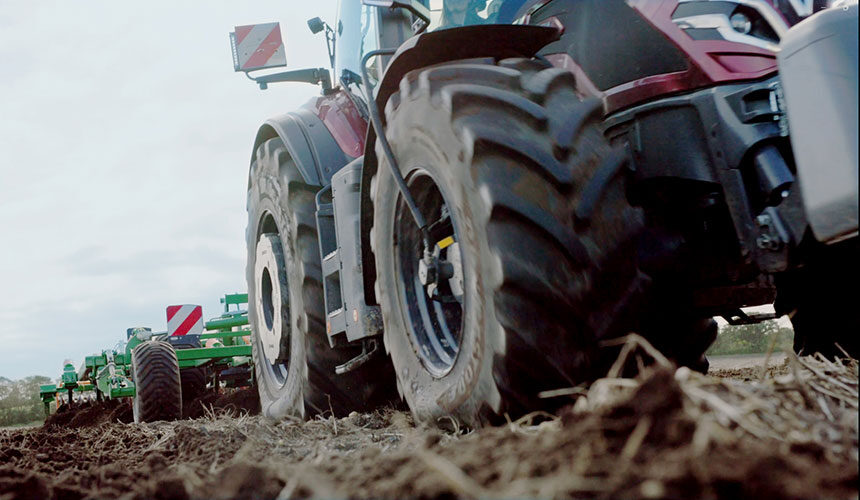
[770, 14]
[723, 25]
[767, 11]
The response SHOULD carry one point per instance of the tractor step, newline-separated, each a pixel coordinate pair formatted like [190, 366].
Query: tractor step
[369, 347]
[348, 317]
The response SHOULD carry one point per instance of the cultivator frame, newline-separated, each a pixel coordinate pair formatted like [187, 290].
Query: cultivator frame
[69, 383]
[227, 352]
[109, 373]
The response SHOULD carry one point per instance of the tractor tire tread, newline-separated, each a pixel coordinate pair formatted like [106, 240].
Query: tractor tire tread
[365, 388]
[554, 280]
[157, 381]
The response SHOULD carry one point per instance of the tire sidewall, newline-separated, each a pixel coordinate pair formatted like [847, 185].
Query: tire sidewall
[468, 385]
[136, 402]
[276, 401]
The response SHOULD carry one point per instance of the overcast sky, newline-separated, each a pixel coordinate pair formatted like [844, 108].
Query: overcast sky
[124, 145]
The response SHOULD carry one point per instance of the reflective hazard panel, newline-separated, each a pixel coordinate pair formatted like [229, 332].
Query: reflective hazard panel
[184, 319]
[257, 46]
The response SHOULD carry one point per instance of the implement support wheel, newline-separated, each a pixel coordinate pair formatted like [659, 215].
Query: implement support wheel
[158, 387]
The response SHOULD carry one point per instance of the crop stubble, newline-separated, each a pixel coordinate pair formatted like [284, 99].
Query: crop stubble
[789, 432]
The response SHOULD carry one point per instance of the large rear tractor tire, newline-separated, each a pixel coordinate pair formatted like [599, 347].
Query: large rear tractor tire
[823, 313]
[158, 388]
[292, 358]
[530, 219]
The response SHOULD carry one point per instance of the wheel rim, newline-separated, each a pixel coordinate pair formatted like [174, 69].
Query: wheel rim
[135, 406]
[273, 314]
[135, 402]
[435, 326]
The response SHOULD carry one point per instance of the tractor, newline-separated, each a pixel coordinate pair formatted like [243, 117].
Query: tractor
[488, 192]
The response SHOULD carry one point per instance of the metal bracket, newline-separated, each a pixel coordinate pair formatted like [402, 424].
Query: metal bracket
[739, 317]
[316, 76]
[369, 347]
[772, 241]
[772, 234]
[777, 106]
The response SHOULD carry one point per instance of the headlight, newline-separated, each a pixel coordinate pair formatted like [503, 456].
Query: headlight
[741, 23]
[751, 22]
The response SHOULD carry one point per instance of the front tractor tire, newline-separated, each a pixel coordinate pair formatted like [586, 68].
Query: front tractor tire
[528, 213]
[294, 365]
[158, 387]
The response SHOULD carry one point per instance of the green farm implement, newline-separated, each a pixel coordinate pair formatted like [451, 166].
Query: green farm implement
[64, 391]
[163, 370]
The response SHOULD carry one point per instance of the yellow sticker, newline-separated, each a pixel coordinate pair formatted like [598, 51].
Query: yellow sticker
[446, 242]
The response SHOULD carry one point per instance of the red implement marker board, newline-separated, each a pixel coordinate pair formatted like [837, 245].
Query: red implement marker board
[184, 319]
[257, 46]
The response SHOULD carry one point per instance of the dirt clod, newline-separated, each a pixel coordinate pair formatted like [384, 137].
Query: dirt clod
[91, 414]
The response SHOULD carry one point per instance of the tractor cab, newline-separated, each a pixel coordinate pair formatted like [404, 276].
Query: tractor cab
[363, 27]
[360, 28]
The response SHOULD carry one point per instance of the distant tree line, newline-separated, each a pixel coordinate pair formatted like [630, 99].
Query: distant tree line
[20, 402]
[752, 339]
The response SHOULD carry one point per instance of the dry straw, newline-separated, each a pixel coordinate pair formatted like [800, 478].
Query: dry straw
[815, 402]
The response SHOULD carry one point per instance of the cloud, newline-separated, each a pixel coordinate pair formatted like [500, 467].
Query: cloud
[124, 146]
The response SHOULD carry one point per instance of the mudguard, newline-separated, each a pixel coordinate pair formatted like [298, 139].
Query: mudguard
[498, 41]
[312, 147]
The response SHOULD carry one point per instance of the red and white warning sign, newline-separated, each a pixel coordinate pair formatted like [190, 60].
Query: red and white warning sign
[184, 319]
[257, 46]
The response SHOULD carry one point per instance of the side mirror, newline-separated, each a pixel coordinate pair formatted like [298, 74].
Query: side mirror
[416, 8]
[257, 46]
[316, 25]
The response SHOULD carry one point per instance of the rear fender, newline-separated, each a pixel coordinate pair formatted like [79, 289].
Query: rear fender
[313, 135]
[499, 41]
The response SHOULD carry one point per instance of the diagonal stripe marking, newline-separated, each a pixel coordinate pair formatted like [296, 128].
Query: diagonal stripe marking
[192, 318]
[171, 312]
[267, 47]
[252, 41]
[242, 32]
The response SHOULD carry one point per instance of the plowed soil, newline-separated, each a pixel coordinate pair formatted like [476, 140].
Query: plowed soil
[665, 434]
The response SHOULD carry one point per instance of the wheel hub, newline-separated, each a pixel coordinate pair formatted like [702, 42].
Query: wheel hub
[429, 266]
[270, 291]
[436, 270]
